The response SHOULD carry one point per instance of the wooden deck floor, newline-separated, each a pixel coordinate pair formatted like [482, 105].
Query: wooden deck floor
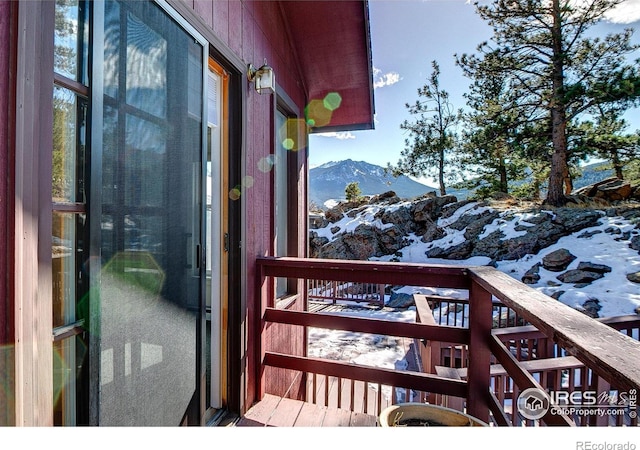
[275, 411]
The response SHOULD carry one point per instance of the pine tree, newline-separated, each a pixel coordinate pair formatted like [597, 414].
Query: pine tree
[605, 138]
[561, 72]
[352, 191]
[492, 142]
[432, 134]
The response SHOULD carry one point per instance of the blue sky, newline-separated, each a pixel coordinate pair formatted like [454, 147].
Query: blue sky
[406, 36]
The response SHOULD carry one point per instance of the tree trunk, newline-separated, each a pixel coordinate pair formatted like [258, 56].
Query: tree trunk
[443, 190]
[568, 185]
[617, 165]
[504, 183]
[559, 173]
[557, 176]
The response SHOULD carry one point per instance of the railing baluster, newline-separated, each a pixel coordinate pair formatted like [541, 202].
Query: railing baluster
[365, 401]
[479, 376]
[326, 390]
[315, 388]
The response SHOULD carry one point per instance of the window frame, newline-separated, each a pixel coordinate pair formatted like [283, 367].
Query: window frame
[285, 106]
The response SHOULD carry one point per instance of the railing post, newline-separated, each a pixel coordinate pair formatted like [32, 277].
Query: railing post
[262, 293]
[478, 375]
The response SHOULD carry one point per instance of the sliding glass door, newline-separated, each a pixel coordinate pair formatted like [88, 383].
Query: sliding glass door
[151, 216]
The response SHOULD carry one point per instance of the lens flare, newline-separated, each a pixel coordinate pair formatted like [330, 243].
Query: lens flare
[68, 357]
[317, 114]
[332, 101]
[266, 164]
[288, 144]
[139, 269]
[247, 182]
[61, 371]
[292, 135]
[235, 193]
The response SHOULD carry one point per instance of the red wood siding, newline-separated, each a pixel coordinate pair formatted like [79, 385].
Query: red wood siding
[8, 45]
[5, 105]
[254, 31]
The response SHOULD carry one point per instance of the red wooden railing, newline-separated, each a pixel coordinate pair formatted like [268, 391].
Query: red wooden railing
[493, 374]
[334, 292]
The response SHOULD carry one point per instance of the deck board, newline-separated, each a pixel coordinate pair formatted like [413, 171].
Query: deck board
[362, 420]
[274, 411]
[259, 414]
[311, 415]
[285, 414]
[337, 418]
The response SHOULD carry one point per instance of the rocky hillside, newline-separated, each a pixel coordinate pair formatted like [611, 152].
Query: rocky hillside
[586, 254]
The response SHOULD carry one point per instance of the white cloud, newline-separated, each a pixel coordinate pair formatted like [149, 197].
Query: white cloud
[387, 79]
[627, 12]
[341, 135]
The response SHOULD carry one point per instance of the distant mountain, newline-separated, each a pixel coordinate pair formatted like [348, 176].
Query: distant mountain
[593, 173]
[328, 181]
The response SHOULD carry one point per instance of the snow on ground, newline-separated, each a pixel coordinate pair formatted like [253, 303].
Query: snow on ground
[363, 348]
[616, 294]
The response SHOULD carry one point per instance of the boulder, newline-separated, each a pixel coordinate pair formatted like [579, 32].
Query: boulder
[558, 260]
[455, 252]
[430, 208]
[591, 267]
[579, 276]
[316, 243]
[610, 190]
[400, 217]
[400, 300]
[588, 234]
[432, 232]
[634, 277]
[388, 197]
[364, 242]
[591, 307]
[532, 276]
[614, 190]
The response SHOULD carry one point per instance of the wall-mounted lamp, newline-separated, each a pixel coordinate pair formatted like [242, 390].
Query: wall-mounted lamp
[263, 77]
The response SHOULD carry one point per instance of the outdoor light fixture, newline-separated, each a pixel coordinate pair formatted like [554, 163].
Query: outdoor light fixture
[263, 78]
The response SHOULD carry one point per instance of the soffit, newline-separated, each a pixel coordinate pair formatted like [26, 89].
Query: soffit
[333, 45]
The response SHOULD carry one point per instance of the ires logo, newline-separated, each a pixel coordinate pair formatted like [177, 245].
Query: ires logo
[534, 403]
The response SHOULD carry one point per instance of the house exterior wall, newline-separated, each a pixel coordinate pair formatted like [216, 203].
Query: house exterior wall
[239, 33]
[7, 21]
[253, 30]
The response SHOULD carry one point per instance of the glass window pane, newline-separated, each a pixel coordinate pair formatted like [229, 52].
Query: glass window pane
[281, 197]
[70, 375]
[67, 259]
[151, 206]
[109, 152]
[111, 45]
[146, 68]
[145, 160]
[71, 37]
[69, 138]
